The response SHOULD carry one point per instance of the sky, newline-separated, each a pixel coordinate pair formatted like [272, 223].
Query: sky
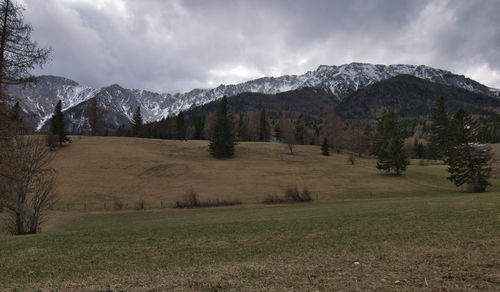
[175, 46]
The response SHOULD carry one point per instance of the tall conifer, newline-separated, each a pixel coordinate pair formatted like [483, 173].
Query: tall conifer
[181, 128]
[390, 148]
[57, 126]
[468, 161]
[137, 122]
[439, 130]
[222, 142]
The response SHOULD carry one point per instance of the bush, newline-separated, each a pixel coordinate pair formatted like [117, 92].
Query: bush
[191, 200]
[139, 205]
[351, 159]
[292, 194]
[117, 204]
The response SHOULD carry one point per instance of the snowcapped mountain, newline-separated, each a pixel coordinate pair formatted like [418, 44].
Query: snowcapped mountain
[118, 104]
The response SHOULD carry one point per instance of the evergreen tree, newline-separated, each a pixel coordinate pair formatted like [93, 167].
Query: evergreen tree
[418, 148]
[264, 129]
[324, 147]
[277, 131]
[181, 128]
[57, 127]
[438, 133]
[390, 148]
[468, 161]
[199, 127]
[16, 113]
[222, 142]
[137, 122]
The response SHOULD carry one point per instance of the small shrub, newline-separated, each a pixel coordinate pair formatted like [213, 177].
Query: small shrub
[292, 194]
[139, 205]
[305, 196]
[118, 205]
[191, 200]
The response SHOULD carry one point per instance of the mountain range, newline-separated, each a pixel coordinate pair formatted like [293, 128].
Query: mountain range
[117, 104]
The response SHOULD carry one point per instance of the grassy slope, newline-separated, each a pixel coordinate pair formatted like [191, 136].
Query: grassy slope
[414, 232]
[98, 169]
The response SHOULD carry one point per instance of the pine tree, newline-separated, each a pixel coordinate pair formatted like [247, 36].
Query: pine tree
[222, 142]
[418, 148]
[16, 113]
[324, 147]
[57, 127]
[438, 133]
[277, 131]
[181, 128]
[264, 129]
[468, 161]
[390, 148]
[137, 122]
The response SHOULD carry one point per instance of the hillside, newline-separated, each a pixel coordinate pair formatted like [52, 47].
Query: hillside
[98, 170]
[413, 97]
[409, 96]
[307, 100]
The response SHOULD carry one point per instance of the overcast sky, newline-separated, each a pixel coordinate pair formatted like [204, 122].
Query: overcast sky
[175, 46]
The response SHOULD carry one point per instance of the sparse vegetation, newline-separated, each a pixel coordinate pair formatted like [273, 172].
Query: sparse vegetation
[291, 194]
[192, 200]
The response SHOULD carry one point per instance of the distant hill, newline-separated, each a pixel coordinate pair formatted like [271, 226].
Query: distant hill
[311, 101]
[410, 96]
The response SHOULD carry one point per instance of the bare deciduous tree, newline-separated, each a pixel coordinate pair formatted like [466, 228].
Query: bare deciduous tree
[333, 129]
[18, 53]
[26, 182]
[92, 116]
[288, 134]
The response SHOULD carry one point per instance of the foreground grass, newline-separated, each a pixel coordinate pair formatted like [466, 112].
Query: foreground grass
[446, 241]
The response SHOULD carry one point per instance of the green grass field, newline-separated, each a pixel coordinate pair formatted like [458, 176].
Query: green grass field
[367, 231]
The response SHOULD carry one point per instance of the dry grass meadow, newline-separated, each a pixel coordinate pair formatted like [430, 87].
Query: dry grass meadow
[97, 170]
[363, 231]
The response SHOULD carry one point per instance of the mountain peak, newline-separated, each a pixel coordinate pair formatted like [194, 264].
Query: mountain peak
[338, 81]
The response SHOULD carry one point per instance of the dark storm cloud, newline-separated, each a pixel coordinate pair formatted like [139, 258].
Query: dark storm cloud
[179, 45]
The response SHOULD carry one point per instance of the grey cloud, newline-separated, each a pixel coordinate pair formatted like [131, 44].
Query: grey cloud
[178, 45]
